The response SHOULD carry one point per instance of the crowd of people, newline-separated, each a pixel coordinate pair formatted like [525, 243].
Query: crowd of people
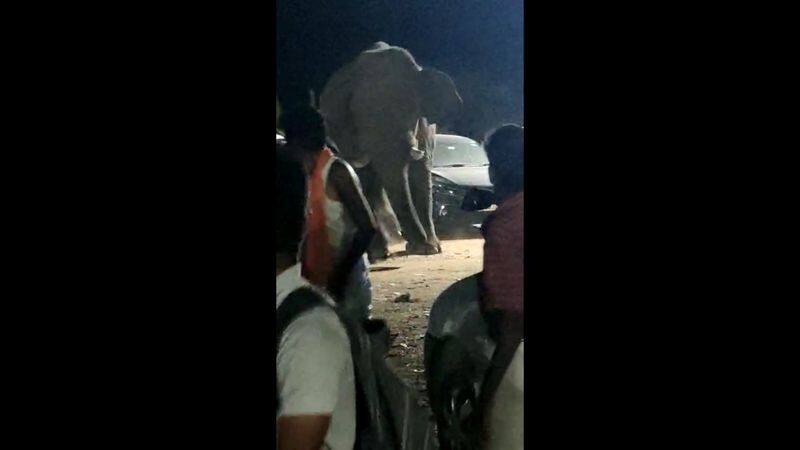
[324, 228]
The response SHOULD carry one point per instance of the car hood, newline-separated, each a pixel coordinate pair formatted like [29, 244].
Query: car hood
[465, 176]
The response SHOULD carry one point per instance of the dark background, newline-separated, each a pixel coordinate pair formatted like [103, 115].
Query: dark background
[143, 300]
[480, 44]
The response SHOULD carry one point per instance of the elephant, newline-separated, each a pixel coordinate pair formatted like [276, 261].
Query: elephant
[381, 110]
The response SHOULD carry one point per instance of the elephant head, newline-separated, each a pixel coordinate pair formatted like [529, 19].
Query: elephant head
[439, 99]
[381, 95]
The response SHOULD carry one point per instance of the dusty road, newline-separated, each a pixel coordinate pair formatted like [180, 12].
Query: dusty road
[423, 278]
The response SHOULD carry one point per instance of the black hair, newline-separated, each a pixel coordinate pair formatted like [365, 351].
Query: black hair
[505, 148]
[290, 196]
[305, 125]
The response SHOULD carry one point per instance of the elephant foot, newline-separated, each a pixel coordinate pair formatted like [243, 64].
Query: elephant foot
[423, 249]
[377, 255]
[378, 250]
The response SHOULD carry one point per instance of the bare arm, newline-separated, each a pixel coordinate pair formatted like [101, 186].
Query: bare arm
[348, 188]
[302, 432]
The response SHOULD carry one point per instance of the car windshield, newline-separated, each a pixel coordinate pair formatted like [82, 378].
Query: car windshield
[449, 153]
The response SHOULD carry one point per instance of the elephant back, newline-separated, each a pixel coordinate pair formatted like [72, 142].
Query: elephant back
[387, 87]
[334, 105]
[374, 95]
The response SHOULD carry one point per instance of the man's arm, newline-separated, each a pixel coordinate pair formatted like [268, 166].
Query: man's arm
[305, 432]
[348, 188]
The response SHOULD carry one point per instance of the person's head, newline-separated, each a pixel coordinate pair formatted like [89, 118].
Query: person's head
[303, 127]
[290, 196]
[505, 147]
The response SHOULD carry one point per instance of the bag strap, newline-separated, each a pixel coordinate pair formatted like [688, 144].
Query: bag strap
[298, 302]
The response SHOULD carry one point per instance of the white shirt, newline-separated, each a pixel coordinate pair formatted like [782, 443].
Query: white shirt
[314, 365]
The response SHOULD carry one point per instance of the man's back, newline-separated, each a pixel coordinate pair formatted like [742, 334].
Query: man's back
[315, 367]
[503, 255]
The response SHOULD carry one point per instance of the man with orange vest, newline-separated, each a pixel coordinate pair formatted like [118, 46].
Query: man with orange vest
[339, 222]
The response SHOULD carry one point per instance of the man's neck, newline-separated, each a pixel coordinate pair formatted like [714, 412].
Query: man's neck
[309, 159]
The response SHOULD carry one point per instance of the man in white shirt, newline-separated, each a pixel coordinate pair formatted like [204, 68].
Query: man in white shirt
[316, 385]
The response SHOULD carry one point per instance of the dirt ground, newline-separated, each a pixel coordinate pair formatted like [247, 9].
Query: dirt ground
[423, 278]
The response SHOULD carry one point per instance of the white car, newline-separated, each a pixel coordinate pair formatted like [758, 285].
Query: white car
[460, 165]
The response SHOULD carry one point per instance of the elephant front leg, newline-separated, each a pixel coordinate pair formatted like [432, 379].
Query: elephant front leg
[419, 181]
[395, 182]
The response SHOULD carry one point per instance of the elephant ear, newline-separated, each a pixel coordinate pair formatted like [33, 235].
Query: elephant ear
[378, 46]
[439, 98]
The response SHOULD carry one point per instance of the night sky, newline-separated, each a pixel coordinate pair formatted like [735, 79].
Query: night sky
[479, 39]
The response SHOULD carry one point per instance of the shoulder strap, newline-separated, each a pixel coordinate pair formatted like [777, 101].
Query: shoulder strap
[298, 302]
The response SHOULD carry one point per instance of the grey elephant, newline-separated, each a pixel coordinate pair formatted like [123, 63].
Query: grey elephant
[380, 109]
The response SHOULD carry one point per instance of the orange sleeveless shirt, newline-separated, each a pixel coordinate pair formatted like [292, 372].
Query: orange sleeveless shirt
[317, 259]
